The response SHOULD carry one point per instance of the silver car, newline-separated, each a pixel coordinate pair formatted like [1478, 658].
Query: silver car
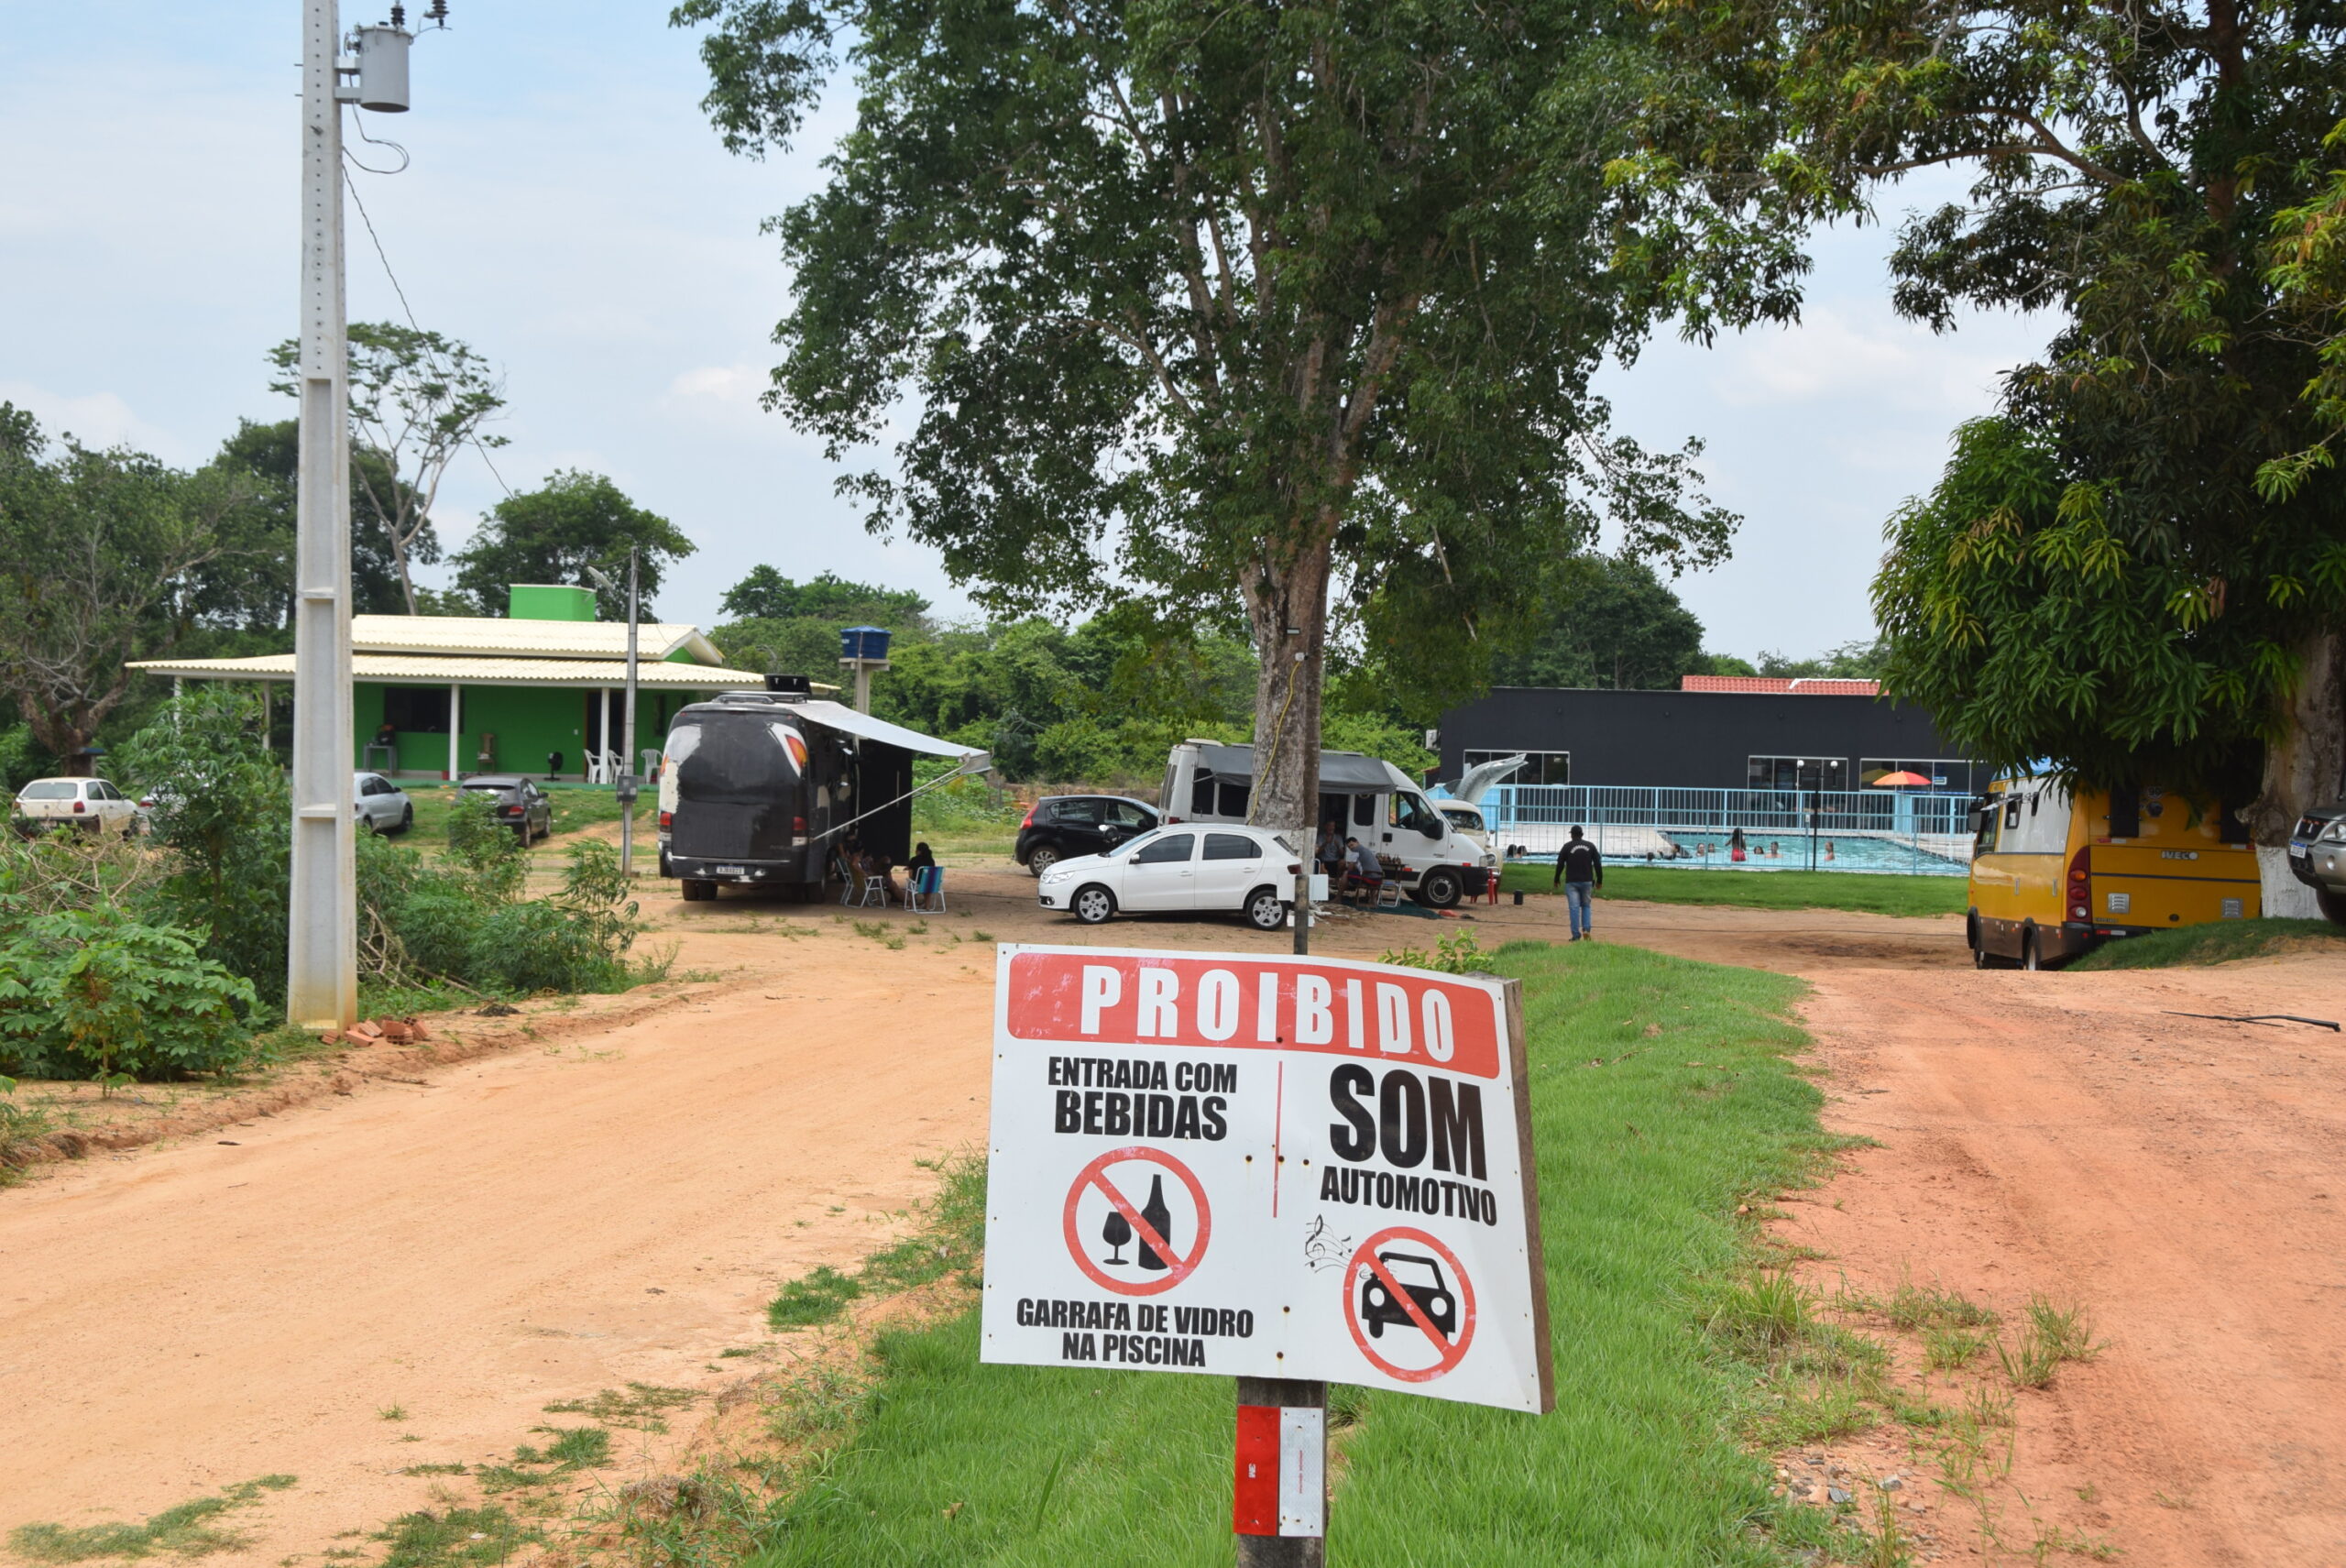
[383, 806]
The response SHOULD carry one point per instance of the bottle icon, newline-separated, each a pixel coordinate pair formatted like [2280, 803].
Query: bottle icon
[1116, 1231]
[1160, 1220]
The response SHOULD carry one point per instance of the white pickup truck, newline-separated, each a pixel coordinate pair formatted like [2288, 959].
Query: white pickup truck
[91, 805]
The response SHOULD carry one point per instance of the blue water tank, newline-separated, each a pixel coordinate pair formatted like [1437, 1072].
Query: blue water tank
[864, 643]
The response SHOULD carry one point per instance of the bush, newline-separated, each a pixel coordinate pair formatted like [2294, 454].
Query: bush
[464, 924]
[95, 993]
[223, 812]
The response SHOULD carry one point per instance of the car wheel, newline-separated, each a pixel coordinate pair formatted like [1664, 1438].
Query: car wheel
[2031, 951]
[1094, 904]
[1440, 888]
[697, 891]
[1040, 859]
[1265, 912]
[407, 817]
[2333, 905]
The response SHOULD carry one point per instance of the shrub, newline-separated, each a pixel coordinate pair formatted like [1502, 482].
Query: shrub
[222, 812]
[93, 993]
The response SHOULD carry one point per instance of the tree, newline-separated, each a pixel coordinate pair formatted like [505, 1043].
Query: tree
[417, 400]
[95, 552]
[251, 582]
[1198, 302]
[1861, 660]
[1608, 622]
[766, 594]
[2143, 170]
[554, 534]
[2020, 619]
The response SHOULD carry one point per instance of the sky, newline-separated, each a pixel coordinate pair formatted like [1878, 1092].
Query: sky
[568, 210]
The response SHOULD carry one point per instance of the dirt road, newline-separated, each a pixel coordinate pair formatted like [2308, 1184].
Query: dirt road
[530, 1228]
[2183, 1179]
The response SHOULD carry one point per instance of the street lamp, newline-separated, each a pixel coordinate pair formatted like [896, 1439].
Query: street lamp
[625, 785]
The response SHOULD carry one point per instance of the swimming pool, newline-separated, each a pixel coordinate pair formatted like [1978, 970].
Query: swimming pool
[1848, 854]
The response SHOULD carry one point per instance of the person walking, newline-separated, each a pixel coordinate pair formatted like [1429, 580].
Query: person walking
[1579, 871]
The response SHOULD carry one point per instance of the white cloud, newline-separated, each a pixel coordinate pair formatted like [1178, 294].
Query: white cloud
[1835, 355]
[95, 418]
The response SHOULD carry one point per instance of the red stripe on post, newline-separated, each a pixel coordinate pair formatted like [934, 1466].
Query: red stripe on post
[1255, 1497]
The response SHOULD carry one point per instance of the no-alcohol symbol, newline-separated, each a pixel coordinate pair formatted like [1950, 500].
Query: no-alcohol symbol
[1137, 1220]
[1409, 1304]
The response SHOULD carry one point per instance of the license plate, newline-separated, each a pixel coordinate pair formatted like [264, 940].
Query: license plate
[731, 871]
[2300, 851]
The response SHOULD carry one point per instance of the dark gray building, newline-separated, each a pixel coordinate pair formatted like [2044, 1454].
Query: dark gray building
[1704, 740]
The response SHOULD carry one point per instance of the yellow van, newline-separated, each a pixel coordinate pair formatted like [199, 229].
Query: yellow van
[2053, 876]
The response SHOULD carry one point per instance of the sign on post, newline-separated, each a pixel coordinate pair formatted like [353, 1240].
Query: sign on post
[1287, 1168]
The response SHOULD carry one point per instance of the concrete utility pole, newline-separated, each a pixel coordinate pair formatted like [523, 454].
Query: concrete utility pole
[628, 782]
[321, 950]
[322, 957]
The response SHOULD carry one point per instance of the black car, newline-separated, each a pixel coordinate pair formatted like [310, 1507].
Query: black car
[1062, 827]
[521, 805]
[1421, 1278]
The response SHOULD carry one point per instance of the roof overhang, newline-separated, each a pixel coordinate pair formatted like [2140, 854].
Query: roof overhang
[409, 669]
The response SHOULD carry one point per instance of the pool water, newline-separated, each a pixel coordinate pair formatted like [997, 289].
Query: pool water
[1848, 855]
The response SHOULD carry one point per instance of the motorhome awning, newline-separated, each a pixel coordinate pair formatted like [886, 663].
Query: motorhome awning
[838, 716]
[1341, 773]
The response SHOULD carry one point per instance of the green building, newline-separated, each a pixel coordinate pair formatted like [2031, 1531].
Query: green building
[541, 691]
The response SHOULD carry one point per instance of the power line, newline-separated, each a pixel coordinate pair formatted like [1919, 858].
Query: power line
[406, 309]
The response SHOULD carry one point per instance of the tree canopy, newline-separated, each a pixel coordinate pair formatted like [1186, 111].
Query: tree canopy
[2163, 176]
[766, 594]
[96, 553]
[1199, 304]
[554, 534]
[1606, 621]
[417, 400]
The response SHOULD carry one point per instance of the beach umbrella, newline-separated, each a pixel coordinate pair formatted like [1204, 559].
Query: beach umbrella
[1898, 781]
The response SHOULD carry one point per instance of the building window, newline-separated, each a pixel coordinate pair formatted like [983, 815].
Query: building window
[1540, 768]
[1948, 775]
[416, 710]
[1799, 773]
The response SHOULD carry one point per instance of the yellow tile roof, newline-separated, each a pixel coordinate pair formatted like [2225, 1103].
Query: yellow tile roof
[500, 637]
[427, 670]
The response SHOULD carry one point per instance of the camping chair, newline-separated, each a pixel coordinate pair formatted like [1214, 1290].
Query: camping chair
[926, 892]
[875, 890]
[1388, 894]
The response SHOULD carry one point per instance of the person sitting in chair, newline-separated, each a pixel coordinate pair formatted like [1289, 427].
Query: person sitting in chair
[1362, 870]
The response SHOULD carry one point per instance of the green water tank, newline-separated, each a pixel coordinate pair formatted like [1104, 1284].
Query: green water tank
[549, 601]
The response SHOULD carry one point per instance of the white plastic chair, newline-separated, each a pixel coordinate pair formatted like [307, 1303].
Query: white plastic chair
[875, 890]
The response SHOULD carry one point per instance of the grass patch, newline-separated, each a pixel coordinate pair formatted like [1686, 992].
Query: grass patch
[187, 1530]
[1641, 1163]
[460, 1538]
[641, 1406]
[949, 1241]
[2215, 942]
[1917, 896]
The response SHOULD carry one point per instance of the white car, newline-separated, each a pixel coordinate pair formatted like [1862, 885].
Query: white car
[383, 806]
[91, 805]
[1238, 871]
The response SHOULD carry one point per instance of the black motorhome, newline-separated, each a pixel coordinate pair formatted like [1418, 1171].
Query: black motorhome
[763, 788]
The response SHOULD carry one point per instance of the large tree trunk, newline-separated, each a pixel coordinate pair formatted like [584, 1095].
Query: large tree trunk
[2305, 768]
[1287, 606]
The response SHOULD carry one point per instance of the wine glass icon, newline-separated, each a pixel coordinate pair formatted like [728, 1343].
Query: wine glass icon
[1116, 1231]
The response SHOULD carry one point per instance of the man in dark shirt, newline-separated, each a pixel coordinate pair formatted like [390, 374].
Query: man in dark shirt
[1580, 870]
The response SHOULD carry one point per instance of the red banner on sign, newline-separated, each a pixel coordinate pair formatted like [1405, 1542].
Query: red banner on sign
[1120, 999]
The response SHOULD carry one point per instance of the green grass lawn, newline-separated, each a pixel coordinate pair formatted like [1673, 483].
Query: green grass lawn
[1871, 894]
[2216, 942]
[1643, 1155]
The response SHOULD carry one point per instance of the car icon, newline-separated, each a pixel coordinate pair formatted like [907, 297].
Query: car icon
[1421, 1278]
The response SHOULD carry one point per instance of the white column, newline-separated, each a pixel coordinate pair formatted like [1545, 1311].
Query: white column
[322, 959]
[603, 737]
[455, 730]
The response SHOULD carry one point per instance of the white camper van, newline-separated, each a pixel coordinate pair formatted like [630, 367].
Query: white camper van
[1208, 782]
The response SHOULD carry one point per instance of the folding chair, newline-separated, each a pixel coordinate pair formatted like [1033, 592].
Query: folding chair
[875, 890]
[926, 892]
[1388, 894]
